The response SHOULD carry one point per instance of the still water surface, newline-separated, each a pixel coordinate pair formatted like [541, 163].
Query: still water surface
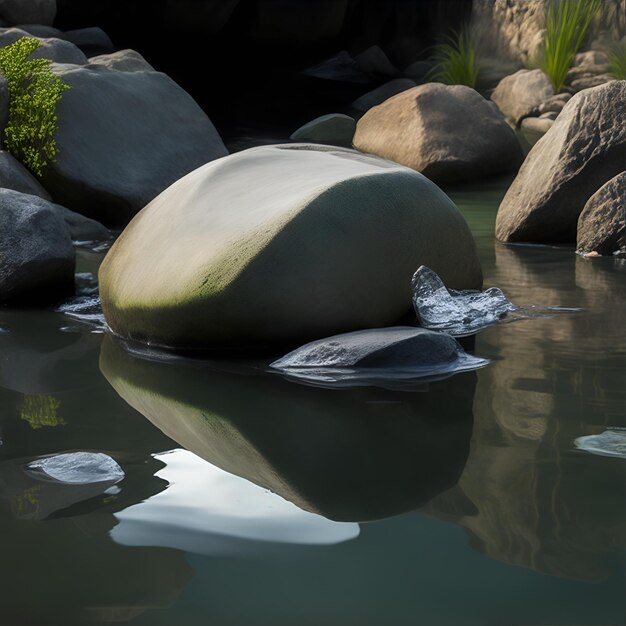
[249, 499]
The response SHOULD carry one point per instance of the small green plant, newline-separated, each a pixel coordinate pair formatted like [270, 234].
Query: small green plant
[455, 60]
[617, 59]
[34, 91]
[567, 22]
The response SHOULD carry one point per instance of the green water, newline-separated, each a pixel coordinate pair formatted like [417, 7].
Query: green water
[464, 504]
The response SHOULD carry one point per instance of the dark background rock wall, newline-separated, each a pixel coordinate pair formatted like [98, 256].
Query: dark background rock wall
[240, 59]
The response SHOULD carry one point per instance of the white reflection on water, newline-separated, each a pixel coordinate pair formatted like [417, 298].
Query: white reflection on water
[209, 511]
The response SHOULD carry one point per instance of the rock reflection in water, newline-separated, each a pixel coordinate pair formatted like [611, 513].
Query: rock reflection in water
[67, 567]
[526, 495]
[209, 511]
[349, 455]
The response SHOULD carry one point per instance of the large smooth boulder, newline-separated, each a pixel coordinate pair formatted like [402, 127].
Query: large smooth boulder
[13, 175]
[282, 243]
[448, 133]
[124, 137]
[520, 95]
[584, 149]
[28, 11]
[602, 223]
[36, 253]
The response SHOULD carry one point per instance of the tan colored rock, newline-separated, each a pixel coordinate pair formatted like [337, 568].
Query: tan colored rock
[584, 149]
[520, 95]
[449, 133]
[602, 223]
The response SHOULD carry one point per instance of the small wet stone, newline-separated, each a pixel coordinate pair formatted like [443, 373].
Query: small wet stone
[611, 442]
[78, 468]
[392, 357]
[458, 313]
[85, 308]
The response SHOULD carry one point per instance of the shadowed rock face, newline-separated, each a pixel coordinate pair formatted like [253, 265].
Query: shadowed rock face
[348, 455]
[602, 223]
[526, 495]
[581, 151]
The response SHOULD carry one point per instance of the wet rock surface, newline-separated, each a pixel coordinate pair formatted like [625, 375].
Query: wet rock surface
[611, 442]
[456, 312]
[78, 468]
[384, 357]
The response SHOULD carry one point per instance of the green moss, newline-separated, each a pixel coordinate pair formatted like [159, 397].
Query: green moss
[40, 411]
[34, 91]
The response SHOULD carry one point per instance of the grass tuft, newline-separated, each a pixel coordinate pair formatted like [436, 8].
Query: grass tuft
[455, 60]
[567, 22]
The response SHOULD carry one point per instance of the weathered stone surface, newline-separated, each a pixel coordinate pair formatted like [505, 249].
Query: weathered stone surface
[449, 133]
[380, 94]
[124, 137]
[602, 223]
[36, 253]
[13, 175]
[4, 103]
[282, 243]
[57, 50]
[335, 129]
[521, 94]
[123, 61]
[28, 11]
[583, 149]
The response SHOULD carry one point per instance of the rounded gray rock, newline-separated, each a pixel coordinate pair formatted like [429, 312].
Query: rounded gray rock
[13, 175]
[335, 129]
[36, 252]
[123, 138]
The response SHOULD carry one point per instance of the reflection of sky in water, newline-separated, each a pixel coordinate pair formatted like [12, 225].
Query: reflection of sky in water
[208, 511]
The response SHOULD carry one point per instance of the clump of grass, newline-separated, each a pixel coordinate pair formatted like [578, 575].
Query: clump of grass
[455, 60]
[617, 59]
[34, 91]
[567, 22]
